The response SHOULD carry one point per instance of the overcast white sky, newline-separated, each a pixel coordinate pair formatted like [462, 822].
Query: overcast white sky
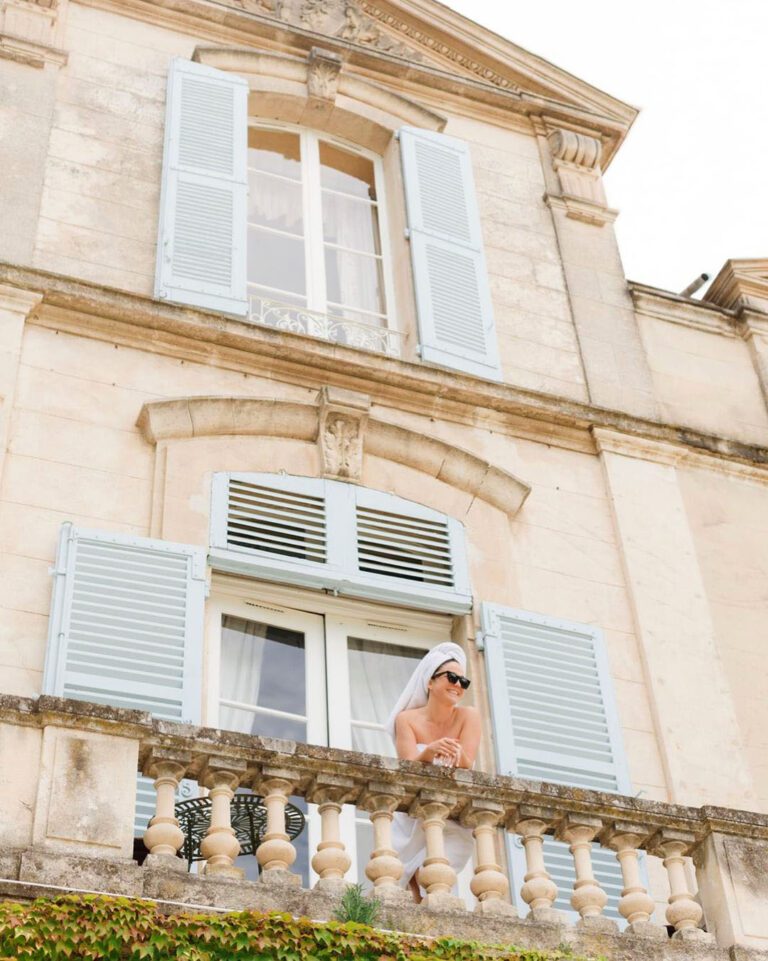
[691, 179]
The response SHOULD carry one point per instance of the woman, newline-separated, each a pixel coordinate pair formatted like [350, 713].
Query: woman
[429, 724]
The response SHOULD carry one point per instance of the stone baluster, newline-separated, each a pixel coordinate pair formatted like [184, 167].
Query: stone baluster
[635, 904]
[588, 898]
[276, 853]
[163, 837]
[220, 847]
[683, 913]
[539, 890]
[489, 884]
[331, 862]
[385, 868]
[436, 875]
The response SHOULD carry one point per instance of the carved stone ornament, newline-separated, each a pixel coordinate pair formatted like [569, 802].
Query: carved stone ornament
[31, 32]
[334, 18]
[576, 160]
[323, 75]
[342, 423]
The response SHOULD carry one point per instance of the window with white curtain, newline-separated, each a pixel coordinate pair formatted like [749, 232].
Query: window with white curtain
[315, 232]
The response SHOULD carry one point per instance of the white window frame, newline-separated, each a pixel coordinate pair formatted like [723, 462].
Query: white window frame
[314, 259]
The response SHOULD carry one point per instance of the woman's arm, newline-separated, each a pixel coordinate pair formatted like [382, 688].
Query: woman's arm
[469, 738]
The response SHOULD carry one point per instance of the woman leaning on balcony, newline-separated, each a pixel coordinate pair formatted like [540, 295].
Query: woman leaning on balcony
[429, 724]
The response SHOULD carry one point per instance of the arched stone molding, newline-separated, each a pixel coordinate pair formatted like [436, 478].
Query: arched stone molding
[318, 92]
[194, 417]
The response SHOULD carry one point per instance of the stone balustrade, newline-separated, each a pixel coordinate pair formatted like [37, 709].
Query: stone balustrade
[78, 792]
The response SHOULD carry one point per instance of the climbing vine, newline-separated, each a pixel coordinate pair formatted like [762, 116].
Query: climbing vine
[124, 929]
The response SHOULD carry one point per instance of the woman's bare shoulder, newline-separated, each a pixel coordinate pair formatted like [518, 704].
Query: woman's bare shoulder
[406, 718]
[469, 714]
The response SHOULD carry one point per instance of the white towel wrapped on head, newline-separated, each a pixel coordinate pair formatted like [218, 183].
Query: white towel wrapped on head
[415, 692]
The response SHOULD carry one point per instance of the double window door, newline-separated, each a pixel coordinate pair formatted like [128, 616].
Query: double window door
[314, 670]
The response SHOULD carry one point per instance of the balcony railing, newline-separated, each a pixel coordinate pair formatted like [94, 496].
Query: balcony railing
[76, 807]
[337, 330]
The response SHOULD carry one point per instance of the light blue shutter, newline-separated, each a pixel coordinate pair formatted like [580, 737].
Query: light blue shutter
[335, 536]
[554, 719]
[201, 251]
[453, 299]
[126, 628]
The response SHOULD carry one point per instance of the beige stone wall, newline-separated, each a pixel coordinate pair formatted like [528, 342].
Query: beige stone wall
[729, 520]
[537, 340]
[703, 377]
[98, 214]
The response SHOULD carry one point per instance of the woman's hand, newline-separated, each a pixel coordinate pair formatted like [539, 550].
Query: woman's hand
[448, 748]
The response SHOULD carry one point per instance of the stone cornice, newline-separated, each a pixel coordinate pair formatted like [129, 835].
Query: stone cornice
[675, 309]
[94, 311]
[673, 455]
[741, 283]
[512, 79]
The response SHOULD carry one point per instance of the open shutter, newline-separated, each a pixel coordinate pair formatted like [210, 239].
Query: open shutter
[453, 299]
[126, 629]
[554, 719]
[335, 536]
[201, 251]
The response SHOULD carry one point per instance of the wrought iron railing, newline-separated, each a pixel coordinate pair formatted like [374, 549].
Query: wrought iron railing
[337, 330]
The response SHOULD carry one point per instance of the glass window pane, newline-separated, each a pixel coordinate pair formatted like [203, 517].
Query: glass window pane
[276, 151]
[355, 280]
[263, 666]
[275, 203]
[263, 725]
[346, 171]
[378, 672]
[351, 223]
[275, 260]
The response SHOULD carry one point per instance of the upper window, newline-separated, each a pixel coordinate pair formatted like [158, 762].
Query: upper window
[315, 249]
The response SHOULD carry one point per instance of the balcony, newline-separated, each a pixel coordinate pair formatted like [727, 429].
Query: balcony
[68, 810]
[337, 330]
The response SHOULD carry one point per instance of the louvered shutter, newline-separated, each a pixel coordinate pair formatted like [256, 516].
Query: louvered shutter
[126, 629]
[340, 537]
[453, 299]
[554, 719]
[201, 251]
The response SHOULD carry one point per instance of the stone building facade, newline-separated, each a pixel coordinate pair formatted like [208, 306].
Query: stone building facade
[317, 350]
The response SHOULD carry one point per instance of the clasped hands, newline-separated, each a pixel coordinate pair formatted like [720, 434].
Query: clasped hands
[446, 751]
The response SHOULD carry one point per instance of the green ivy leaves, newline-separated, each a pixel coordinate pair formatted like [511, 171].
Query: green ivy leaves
[102, 928]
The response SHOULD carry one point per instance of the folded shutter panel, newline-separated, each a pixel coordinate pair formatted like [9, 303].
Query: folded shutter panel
[453, 299]
[554, 719]
[201, 251]
[126, 629]
[335, 536]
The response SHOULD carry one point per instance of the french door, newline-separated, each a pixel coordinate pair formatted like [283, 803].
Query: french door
[326, 676]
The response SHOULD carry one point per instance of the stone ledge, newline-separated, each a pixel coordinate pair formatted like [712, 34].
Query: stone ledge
[113, 314]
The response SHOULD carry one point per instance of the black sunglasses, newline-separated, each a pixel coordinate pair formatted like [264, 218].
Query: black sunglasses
[454, 679]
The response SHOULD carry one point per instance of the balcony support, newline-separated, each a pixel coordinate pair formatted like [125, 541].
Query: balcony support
[588, 898]
[331, 862]
[163, 837]
[489, 884]
[539, 890]
[276, 853]
[220, 847]
[683, 913]
[635, 904]
[436, 875]
[384, 868]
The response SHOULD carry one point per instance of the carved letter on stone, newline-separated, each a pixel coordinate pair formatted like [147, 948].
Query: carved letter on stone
[323, 75]
[342, 423]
